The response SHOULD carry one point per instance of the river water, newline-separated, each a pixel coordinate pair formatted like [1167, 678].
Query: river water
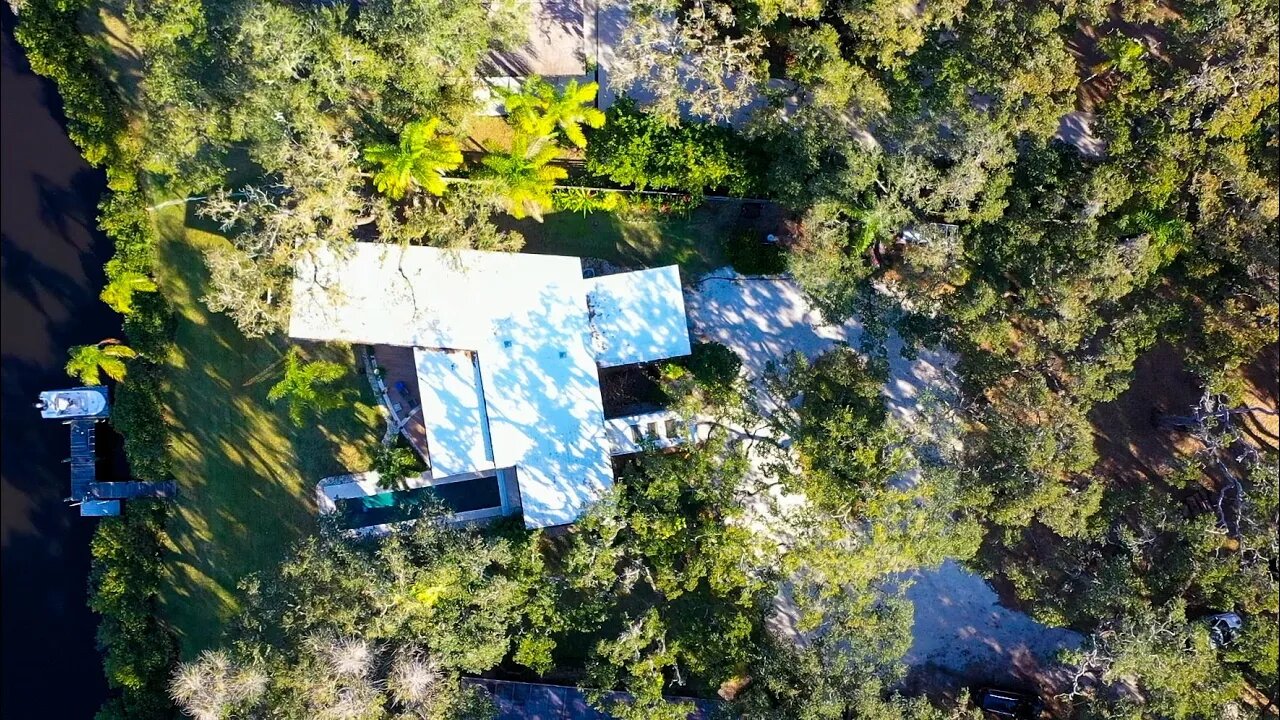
[51, 260]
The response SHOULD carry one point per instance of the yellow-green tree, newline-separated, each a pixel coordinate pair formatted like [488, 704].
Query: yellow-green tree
[420, 158]
[523, 175]
[89, 362]
[539, 109]
[303, 386]
[118, 293]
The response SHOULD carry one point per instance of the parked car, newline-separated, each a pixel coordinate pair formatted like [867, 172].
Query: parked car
[1008, 703]
[1223, 628]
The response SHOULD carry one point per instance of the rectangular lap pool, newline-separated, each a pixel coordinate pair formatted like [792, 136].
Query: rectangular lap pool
[400, 505]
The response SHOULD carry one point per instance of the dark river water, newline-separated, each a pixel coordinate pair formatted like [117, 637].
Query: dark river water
[51, 260]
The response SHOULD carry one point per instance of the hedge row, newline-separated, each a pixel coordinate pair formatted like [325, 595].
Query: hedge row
[139, 410]
[642, 150]
[124, 585]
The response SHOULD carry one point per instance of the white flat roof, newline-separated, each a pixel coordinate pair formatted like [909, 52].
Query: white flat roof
[526, 317]
[637, 316]
[453, 411]
[424, 297]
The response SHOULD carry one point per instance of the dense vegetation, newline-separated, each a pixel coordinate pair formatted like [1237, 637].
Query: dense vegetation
[138, 651]
[1049, 190]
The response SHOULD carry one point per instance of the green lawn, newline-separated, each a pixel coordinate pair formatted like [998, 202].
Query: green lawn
[695, 242]
[245, 474]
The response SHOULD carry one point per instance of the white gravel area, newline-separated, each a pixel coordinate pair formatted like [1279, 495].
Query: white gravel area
[766, 318]
[960, 627]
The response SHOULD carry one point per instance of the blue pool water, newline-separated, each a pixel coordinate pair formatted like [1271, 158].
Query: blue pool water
[400, 505]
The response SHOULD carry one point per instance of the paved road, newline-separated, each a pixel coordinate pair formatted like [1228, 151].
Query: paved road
[51, 268]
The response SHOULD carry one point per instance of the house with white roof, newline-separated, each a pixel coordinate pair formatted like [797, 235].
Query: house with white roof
[506, 348]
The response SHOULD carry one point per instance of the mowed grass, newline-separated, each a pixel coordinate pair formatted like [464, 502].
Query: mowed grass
[695, 243]
[245, 474]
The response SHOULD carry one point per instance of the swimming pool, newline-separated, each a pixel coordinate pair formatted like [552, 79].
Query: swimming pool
[400, 505]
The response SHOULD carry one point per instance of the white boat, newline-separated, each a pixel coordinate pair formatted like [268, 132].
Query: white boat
[82, 402]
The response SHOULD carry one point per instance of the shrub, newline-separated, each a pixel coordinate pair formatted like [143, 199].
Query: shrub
[639, 205]
[714, 366]
[56, 49]
[138, 415]
[638, 149]
[708, 377]
[396, 462]
[587, 201]
[150, 325]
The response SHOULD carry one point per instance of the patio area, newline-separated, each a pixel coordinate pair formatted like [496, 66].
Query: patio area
[401, 378]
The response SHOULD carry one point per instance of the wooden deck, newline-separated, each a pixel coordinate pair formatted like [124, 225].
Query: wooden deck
[399, 371]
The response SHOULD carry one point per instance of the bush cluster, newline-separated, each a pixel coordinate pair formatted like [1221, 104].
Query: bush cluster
[138, 413]
[714, 366]
[640, 149]
[124, 585]
[56, 49]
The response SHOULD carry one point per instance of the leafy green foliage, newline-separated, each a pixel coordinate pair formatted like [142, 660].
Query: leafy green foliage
[662, 565]
[303, 386]
[523, 175]
[124, 583]
[586, 201]
[394, 463]
[139, 415]
[421, 158]
[714, 367]
[1171, 660]
[56, 49]
[538, 109]
[1153, 218]
[119, 291]
[382, 626]
[826, 259]
[867, 519]
[641, 150]
[89, 363]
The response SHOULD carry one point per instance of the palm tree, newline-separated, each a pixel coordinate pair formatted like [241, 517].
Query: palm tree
[1123, 55]
[214, 686]
[118, 294]
[523, 176]
[88, 362]
[539, 109]
[422, 157]
[302, 386]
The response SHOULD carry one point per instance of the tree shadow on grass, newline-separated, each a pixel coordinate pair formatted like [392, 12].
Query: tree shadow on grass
[694, 242]
[246, 473]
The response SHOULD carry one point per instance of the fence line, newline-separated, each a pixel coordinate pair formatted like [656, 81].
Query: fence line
[665, 193]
